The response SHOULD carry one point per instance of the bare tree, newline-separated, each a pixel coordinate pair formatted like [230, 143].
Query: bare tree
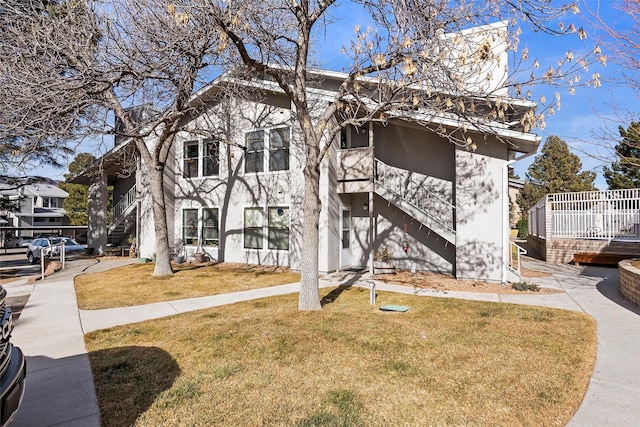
[618, 32]
[73, 65]
[412, 55]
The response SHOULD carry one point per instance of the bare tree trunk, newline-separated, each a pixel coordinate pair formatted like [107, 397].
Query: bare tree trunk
[163, 260]
[309, 298]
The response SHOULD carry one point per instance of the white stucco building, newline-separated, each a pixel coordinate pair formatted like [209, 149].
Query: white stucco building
[237, 195]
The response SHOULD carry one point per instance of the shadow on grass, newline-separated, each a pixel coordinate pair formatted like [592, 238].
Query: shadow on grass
[129, 379]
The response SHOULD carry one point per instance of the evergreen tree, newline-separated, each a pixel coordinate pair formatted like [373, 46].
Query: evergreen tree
[625, 173]
[76, 205]
[556, 170]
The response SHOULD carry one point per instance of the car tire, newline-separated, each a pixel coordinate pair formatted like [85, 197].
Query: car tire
[31, 258]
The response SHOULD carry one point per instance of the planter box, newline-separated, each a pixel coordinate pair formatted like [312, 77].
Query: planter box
[380, 267]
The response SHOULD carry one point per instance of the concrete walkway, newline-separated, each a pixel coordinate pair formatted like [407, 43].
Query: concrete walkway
[60, 389]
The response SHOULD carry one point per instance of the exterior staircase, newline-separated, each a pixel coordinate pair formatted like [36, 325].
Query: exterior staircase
[410, 192]
[124, 217]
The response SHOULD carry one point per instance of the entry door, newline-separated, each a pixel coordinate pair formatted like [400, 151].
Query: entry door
[345, 252]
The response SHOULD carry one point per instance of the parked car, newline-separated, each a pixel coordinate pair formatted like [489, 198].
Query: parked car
[69, 244]
[13, 368]
[39, 247]
[11, 241]
[51, 247]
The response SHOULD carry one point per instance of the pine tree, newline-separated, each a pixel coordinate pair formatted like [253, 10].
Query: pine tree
[555, 170]
[76, 204]
[625, 173]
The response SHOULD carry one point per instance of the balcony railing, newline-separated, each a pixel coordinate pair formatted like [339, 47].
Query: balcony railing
[127, 200]
[355, 164]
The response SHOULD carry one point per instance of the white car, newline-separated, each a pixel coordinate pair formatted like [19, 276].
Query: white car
[51, 247]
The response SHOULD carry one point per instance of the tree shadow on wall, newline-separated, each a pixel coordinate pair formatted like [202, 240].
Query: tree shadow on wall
[129, 379]
[477, 259]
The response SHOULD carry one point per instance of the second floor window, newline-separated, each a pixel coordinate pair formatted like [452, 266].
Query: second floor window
[201, 158]
[267, 150]
[49, 202]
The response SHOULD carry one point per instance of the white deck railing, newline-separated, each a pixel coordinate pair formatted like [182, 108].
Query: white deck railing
[602, 215]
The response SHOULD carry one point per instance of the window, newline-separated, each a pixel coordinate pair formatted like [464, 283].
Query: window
[254, 157]
[207, 228]
[191, 164]
[210, 227]
[210, 156]
[205, 152]
[277, 228]
[49, 202]
[279, 149]
[190, 226]
[275, 142]
[253, 228]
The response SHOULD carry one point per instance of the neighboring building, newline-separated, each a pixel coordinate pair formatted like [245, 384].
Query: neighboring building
[515, 187]
[436, 206]
[37, 206]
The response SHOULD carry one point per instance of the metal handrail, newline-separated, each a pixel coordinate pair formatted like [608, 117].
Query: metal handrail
[409, 186]
[123, 204]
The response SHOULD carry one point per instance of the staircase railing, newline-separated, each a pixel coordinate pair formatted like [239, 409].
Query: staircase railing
[123, 204]
[514, 257]
[413, 189]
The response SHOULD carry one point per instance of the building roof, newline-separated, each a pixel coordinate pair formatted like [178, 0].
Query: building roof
[37, 189]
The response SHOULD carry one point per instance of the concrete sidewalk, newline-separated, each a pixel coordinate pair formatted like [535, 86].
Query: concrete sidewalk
[60, 388]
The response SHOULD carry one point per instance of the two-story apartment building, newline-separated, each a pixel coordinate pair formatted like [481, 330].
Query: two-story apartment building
[237, 198]
[36, 206]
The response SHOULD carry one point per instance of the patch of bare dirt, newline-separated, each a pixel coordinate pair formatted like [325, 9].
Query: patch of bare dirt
[446, 282]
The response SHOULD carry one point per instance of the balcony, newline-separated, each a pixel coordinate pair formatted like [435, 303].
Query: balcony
[355, 168]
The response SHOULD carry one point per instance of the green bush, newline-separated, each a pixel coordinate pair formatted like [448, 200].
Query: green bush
[522, 227]
[524, 286]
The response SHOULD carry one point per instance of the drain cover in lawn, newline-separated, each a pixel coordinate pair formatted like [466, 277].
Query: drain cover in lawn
[391, 307]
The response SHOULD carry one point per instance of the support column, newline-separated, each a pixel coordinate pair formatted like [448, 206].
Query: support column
[97, 204]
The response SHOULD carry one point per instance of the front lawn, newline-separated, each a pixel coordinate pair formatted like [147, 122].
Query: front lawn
[264, 363]
[134, 284]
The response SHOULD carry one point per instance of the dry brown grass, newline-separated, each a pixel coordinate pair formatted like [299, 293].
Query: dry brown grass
[264, 363]
[446, 282]
[134, 284]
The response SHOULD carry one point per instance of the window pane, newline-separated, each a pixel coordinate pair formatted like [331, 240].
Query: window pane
[279, 228]
[279, 149]
[254, 156]
[190, 167]
[211, 158]
[253, 228]
[210, 227]
[190, 226]
[345, 239]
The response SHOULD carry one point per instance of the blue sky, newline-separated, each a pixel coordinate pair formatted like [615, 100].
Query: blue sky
[580, 115]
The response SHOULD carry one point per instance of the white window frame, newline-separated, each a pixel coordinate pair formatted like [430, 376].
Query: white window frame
[201, 143]
[199, 237]
[268, 150]
[265, 228]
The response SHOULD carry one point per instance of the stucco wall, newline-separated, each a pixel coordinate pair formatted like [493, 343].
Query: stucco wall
[629, 281]
[232, 190]
[480, 234]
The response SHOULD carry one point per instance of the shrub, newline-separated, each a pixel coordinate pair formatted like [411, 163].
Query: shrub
[522, 226]
[383, 254]
[524, 286]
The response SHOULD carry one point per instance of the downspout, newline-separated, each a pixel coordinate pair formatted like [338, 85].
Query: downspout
[505, 215]
[370, 201]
